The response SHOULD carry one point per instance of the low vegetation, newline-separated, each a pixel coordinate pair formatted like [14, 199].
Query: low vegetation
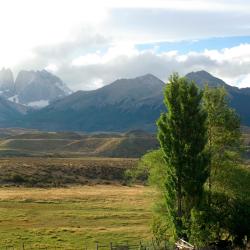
[75, 217]
[54, 172]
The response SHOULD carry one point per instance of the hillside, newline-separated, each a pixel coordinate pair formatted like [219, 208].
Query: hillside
[132, 144]
[124, 105]
[202, 78]
[10, 113]
[239, 99]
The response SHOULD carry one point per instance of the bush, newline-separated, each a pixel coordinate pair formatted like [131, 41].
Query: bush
[16, 178]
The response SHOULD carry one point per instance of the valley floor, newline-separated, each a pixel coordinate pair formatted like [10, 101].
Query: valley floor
[74, 217]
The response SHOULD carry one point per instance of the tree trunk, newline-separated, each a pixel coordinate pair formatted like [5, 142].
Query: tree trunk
[179, 198]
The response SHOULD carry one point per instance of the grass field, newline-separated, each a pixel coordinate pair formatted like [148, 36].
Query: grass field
[74, 217]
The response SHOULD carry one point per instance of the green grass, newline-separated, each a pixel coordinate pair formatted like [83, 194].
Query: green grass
[76, 216]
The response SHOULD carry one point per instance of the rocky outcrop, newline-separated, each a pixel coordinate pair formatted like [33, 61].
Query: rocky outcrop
[34, 87]
[7, 85]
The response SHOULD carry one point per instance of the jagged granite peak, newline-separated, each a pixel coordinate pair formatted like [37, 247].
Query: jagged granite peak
[39, 87]
[24, 78]
[202, 78]
[6, 82]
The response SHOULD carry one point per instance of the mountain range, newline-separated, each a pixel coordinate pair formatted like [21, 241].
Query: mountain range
[123, 105]
[32, 88]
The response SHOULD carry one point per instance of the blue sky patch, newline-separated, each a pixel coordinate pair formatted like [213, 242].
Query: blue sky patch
[217, 43]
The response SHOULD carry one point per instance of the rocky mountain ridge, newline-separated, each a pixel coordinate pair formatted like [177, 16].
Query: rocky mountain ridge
[32, 88]
[125, 104]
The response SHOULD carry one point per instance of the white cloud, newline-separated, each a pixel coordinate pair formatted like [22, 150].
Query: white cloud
[87, 59]
[28, 24]
[124, 50]
[91, 43]
[117, 63]
[243, 81]
[240, 53]
[51, 67]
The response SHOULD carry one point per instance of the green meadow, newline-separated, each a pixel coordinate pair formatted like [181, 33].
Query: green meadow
[75, 217]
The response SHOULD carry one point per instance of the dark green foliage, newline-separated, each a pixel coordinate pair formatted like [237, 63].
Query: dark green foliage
[153, 165]
[228, 215]
[200, 229]
[182, 136]
[219, 211]
[227, 183]
[17, 178]
[224, 137]
[230, 203]
[149, 165]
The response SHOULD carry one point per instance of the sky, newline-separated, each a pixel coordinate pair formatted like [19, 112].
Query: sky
[89, 44]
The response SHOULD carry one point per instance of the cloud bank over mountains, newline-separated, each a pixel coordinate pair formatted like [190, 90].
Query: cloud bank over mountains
[93, 70]
[90, 45]
[232, 65]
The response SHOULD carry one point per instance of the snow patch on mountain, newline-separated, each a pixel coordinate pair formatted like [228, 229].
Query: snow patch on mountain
[14, 98]
[38, 104]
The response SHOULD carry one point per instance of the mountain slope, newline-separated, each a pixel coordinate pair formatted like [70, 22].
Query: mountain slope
[239, 99]
[123, 105]
[133, 144]
[202, 78]
[10, 113]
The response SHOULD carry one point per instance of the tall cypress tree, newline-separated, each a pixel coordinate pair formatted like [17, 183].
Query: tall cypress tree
[182, 135]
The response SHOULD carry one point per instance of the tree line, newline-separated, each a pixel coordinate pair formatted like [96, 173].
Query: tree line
[203, 184]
